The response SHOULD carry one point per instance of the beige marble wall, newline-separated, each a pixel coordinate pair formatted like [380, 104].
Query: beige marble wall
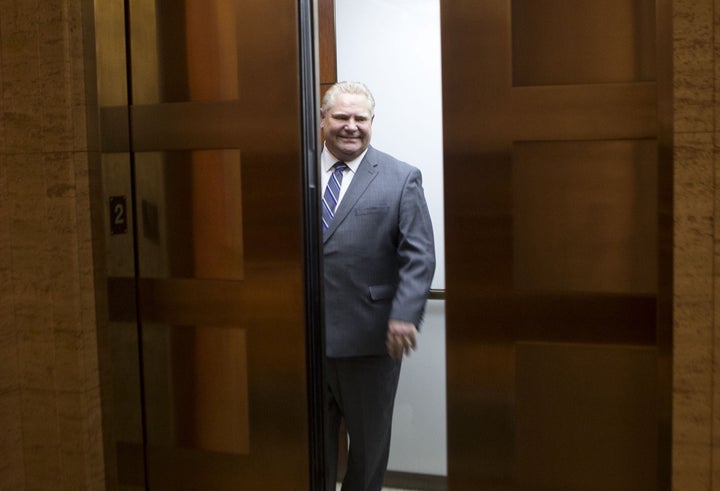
[50, 417]
[696, 362]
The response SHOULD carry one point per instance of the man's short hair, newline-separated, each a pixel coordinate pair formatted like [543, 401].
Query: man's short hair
[346, 88]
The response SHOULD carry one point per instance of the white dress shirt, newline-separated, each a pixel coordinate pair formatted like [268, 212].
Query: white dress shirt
[327, 160]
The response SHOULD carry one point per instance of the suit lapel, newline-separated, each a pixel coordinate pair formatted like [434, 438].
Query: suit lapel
[366, 172]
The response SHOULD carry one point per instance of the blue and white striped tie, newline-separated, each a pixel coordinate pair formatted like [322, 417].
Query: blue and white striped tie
[332, 193]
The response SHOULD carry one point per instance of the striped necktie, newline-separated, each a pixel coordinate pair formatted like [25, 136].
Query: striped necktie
[332, 193]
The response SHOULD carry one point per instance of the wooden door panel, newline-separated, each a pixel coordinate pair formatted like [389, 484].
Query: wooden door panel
[553, 196]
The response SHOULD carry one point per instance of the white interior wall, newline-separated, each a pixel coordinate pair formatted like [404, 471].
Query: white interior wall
[394, 47]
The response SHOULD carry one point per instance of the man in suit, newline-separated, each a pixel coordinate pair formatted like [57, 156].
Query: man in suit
[379, 261]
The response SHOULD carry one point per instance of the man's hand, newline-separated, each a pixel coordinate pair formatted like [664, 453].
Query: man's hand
[401, 338]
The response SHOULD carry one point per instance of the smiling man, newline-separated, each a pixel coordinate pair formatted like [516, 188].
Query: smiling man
[379, 261]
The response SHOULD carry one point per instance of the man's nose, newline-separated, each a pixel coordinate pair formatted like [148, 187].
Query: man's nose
[351, 124]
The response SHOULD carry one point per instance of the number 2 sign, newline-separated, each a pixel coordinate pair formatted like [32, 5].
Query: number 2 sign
[118, 215]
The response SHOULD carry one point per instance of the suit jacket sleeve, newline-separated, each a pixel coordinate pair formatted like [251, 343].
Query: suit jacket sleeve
[415, 251]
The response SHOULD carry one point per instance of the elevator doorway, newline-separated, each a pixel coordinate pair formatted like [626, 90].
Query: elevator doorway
[558, 270]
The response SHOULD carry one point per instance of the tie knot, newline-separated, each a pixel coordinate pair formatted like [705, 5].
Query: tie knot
[339, 166]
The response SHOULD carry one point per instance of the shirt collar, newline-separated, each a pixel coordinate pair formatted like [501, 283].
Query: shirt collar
[328, 160]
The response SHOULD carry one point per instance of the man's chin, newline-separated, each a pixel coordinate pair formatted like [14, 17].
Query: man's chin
[349, 153]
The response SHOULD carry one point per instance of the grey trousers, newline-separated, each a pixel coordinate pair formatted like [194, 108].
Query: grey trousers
[360, 391]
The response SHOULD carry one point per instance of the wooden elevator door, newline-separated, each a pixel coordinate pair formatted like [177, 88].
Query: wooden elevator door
[206, 131]
[556, 189]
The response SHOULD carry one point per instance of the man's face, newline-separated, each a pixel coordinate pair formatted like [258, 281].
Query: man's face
[347, 126]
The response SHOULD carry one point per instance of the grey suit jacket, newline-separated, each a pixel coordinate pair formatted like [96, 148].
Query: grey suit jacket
[379, 256]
